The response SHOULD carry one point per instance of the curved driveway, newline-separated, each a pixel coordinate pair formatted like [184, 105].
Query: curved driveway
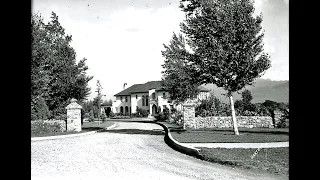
[130, 151]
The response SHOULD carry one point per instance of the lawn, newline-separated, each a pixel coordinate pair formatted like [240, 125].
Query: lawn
[221, 135]
[274, 160]
[86, 127]
[204, 136]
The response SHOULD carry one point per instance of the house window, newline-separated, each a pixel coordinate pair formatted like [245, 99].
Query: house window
[121, 98]
[153, 95]
[147, 100]
[136, 96]
[142, 100]
[164, 95]
[126, 99]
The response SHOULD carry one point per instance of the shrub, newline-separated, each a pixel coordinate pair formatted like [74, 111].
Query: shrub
[103, 117]
[212, 107]
[91, 119]
[249, 113]
[120, 117]
[86, 116]
[160, 116]
[136, 115]
[61, 117]
[111, 114]
[177, 117]
[142, 112]
[44, 127]
[283, 118]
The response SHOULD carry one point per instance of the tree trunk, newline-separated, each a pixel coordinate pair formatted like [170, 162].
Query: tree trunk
[234, 120]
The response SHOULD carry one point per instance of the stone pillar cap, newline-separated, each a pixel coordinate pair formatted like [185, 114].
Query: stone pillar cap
[74, 105]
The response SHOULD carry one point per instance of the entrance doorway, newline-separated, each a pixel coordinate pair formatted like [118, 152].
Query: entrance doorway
[154, 110]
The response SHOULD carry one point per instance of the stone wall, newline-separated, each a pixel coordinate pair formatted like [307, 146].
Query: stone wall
[226, 122]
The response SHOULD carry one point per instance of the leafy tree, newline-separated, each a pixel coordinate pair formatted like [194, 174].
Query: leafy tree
[246, 96]
[226, 45]
[98, 99]
[55, 74]
[177, 76]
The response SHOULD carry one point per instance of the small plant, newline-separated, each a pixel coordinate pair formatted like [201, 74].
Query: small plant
[111, 114]
[103, 117]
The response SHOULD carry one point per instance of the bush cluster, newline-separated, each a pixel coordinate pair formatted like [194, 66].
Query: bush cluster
[142, 112]
[176, 116]
[212, 107]
[43, 127]
[162, 116]
[120, 117]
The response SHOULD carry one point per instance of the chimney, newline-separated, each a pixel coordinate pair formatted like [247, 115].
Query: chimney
[124, 85]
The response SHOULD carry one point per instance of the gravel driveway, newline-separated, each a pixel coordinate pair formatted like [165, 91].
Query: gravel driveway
[130, 151]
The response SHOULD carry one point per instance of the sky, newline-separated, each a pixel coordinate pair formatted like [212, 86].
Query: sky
[122, 40]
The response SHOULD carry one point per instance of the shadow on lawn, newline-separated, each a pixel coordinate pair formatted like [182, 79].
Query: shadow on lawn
[135, 131]
[92, 128]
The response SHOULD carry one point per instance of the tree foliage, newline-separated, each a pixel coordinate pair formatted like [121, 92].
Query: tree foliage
[56, 76]
[245, 106]
[177, 76]
[212, 106]
[226, 44]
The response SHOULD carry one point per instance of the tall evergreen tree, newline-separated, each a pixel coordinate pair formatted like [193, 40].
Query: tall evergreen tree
[55, 74]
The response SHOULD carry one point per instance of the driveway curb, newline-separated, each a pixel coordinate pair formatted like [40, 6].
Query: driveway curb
[111, 127]
[189, 150]
[70, 135]
[61, 136]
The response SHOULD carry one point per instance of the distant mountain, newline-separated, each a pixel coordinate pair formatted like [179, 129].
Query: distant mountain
[262, 89]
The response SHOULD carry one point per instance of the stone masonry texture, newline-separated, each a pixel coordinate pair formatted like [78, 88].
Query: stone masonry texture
[74, 116]
[192, 122]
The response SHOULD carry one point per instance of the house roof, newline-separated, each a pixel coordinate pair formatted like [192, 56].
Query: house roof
[143, 88]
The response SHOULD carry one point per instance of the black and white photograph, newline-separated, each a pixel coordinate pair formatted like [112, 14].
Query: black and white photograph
[160, 89]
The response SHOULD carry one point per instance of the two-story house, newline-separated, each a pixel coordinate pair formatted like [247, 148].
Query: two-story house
[150, 96]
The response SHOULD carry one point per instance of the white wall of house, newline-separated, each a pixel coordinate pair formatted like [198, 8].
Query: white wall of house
[118, 103]
[136, 100]
[161, 100]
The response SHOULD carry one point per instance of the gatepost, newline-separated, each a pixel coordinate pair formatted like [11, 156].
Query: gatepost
[74, 116]
[189, 114]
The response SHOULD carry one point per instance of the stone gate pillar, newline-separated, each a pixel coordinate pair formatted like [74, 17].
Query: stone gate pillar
[74, 116]
[189, 115]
